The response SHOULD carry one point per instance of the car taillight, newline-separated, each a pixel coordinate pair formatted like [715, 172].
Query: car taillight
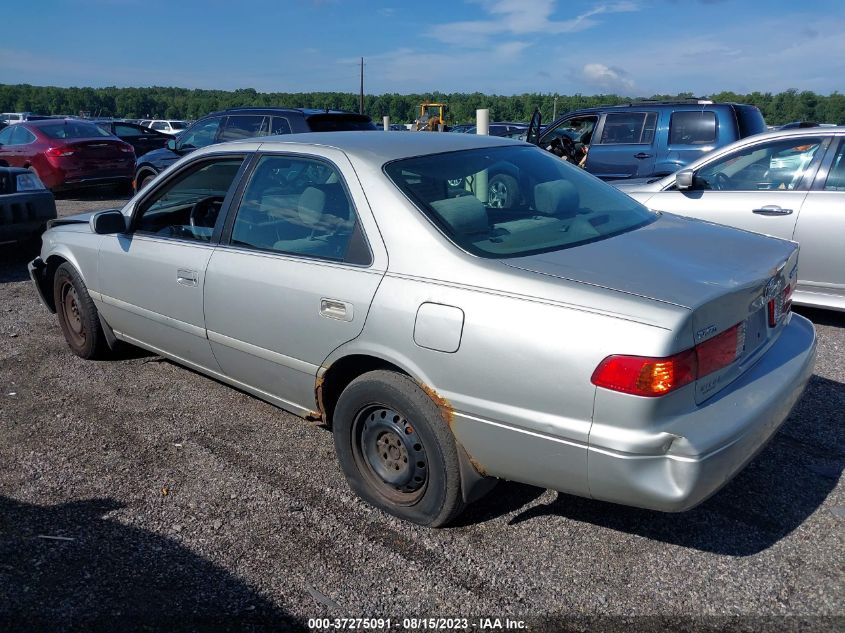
[780, 305]
[57, 152]
[651, 377]
[126, 148]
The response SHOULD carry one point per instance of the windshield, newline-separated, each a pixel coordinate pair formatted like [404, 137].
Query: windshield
[178, 125]
[548, 203]
[73, 129]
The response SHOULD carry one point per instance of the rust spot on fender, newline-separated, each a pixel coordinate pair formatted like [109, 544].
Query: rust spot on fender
[447, 412]
[478, 467]
[320, 414]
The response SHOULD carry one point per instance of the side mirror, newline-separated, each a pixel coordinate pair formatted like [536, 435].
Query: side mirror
[171, 144]
[684, 179]
[108, 222]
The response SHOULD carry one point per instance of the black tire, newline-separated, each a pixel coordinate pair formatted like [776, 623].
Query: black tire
[143, 180]
[78, 314]
[426, 487]
[503, 192]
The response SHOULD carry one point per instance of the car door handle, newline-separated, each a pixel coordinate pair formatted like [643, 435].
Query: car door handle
[335, 309]
[186, 277]
[642, 155]
[772, 209]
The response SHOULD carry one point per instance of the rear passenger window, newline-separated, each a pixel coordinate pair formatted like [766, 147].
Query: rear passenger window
[628, 128]
[22, 136]
[126, 130]
[299, 206]
[280, 126]
[692, 128]
[836, 176]
[241, 127]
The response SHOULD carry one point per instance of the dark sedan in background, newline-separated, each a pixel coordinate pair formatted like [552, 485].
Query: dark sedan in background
[142, 139]
[68, 153]
[240, 123]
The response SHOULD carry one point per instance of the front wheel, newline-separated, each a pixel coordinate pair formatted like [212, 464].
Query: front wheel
[396, 450]
[78, 314]
[503, 192]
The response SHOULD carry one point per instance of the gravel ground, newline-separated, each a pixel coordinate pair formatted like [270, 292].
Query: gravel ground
[139, 492]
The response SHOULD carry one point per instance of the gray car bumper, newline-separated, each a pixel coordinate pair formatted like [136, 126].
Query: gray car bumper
[688, 472]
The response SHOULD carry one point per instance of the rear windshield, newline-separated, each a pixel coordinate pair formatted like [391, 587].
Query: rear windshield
[750, 120]
[533, 201]
[72, 129]
[339, 122]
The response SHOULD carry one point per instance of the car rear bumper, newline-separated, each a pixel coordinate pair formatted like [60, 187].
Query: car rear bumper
[689, 467]
[24, 214]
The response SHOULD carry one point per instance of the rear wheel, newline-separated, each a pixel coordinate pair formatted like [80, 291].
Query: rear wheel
[78, 314]
[143, 180]
[395, 449]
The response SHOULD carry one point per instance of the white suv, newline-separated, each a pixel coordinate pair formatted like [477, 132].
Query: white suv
[168, 126]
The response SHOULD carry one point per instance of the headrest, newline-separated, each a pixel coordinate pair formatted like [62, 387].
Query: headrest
[465, 214]
[556, 197]
[312, 202]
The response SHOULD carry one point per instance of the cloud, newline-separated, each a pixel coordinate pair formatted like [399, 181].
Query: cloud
[521, 17]
[606, 77]
[733, 58]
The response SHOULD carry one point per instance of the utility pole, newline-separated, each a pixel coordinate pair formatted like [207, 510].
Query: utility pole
[554, 111]
[361, 102]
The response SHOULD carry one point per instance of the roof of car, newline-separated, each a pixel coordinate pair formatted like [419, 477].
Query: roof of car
[54, 121]
[384, 147]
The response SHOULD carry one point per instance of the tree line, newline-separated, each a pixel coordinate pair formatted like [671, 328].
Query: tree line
[182, 103]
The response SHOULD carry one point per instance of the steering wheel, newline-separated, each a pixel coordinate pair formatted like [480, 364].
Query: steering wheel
[721, 181]
[564, 147]
[201, 212]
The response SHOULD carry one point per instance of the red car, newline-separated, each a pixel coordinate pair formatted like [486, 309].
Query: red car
[67, 153]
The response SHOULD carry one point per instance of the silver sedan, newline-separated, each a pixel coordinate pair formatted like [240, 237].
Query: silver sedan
[577, 341]
[789, 184]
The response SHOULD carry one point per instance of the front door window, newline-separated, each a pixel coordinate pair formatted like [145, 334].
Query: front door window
[775, 165]
[188, 207]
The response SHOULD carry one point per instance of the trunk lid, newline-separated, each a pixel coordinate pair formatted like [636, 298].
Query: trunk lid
[724, 276]
[98, 149]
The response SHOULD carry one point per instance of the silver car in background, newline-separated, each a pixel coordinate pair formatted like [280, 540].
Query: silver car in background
[790, 184]
[578, 342]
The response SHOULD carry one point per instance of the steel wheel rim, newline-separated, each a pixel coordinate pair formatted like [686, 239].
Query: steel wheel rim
[390, 454]
[71, 314]
[498, 193]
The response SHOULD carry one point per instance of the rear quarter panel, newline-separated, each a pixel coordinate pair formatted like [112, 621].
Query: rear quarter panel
[517, 392]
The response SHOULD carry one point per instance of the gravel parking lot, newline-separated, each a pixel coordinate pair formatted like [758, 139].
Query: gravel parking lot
[139, 491]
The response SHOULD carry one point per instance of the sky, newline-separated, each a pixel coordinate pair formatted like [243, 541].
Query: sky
[627, 47]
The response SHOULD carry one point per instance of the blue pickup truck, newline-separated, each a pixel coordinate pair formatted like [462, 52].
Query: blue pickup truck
[642, 139]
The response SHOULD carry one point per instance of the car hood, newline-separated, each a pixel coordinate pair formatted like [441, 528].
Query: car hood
[676, 260]
[161, 156]
[79, 218]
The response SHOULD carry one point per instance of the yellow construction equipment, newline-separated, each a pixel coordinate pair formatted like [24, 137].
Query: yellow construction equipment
[432, 116]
